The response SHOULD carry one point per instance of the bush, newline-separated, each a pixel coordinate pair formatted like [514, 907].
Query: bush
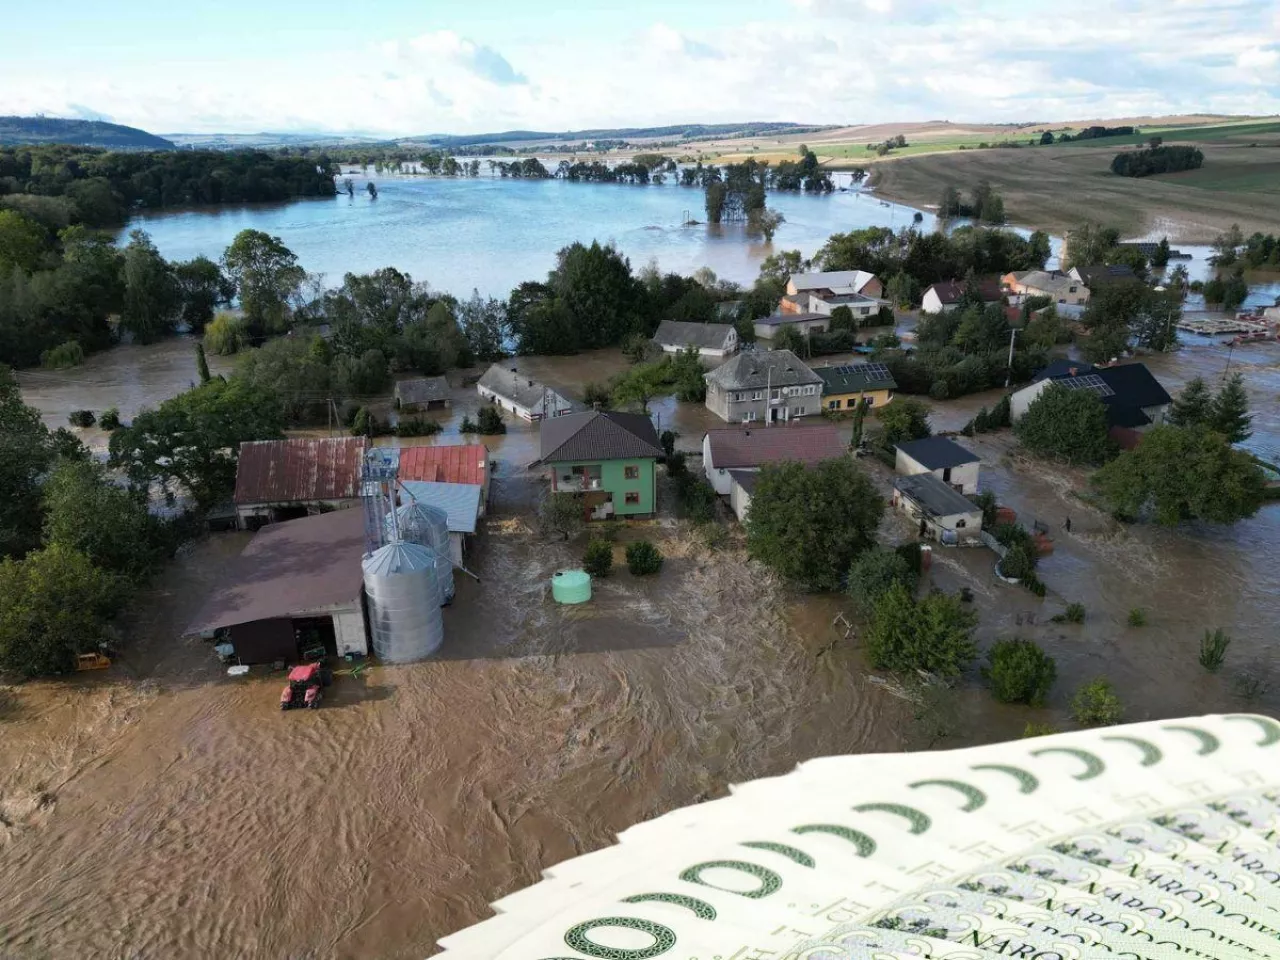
[713, 535]
[560, 513]
[986, 501]
[1019, 672]
[914, 556]
[1137, 617]
[488, 421]
[69, 354]
[608, 530]
[668, 440]
[1096, 705]
[365, 424]
[82, 418]
[1213, 649]
[934, 634]
[1038, 730]
[1067, 425]
[1073, 614]
[110, 419]
[595, 395]
[1019, 563]
[643, 558]
[417, 427]
[226, 334]
[873, 574]
[597, 559]
[676, 468]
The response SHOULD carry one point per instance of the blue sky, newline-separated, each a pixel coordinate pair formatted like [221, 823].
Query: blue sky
[396, 67]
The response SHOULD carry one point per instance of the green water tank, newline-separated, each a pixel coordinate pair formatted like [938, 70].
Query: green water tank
[571, 586]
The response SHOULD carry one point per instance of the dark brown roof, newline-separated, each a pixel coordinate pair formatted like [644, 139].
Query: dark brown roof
[950, 291]
[598, 435]
[290, 568]
[299, 470]
[756, 446]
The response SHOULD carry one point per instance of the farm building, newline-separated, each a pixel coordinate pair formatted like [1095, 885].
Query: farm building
[945, 459]
[463, 502]
[466, 463]
[525, 397]
[714, 341]
[943, 514]
[424, 393]
[285, 479]
[297, 585]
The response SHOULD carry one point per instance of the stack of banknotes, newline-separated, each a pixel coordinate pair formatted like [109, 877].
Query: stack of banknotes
[1150, 841]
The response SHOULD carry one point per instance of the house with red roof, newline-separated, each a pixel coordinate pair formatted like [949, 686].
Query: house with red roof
[448, 463]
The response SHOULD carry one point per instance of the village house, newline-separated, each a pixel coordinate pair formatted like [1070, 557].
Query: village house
[774, 386]
[732, 456]
[862, 307]
[424, 393]
[715, 341]
[767, 328]
[466, 463]
[942, 513]
[297, 585]
[1133, 398]
[525, 397]
[1064, 290]
[844, 386]
[943, 458]
[836, 282]
[285, 479]
[1100, 273]
[606, 457]
[942, 297]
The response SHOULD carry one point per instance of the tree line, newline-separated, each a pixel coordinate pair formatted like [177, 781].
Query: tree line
[1150, 161]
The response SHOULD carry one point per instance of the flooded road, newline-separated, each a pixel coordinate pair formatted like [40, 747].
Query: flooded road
[165, 810]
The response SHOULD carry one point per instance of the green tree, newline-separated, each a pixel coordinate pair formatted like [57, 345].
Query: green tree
[1019, 672]
[903, 290]
[1095, 704]
[22, 242]
[603, 300]
[227, 334]
[26, 452]
[872, 575]
[434, 344]
[1067, 425]
[809, 524]
[1183, 473]
[299, 374]
[85, 512]
[1229, 414]
[202, 364]
[905, 419]
[267, 274]
[1160, 259]
[561, 514]
[202, 286]
[1046, 138]
[597, 559]
[643, 558]
[1193, 406]
[641, 384]
[842, 319]
[484, 325]
[767, 222]
[935, 634]
[194, 439]
[789, 338]
[151, 295]
[53, 605]
[780, 266]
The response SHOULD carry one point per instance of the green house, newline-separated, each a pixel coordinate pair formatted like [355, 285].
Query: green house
[607, 457]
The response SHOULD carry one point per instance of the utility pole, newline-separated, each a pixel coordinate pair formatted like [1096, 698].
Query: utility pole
[1008, 377]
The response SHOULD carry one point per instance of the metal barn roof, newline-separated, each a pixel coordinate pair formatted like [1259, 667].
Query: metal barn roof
[299, 470]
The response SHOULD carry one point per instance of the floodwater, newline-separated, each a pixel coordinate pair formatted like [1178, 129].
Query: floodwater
[493, 234]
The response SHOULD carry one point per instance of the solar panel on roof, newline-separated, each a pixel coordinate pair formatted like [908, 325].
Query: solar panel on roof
[870, 370]
[1088, 381]
[876, 370]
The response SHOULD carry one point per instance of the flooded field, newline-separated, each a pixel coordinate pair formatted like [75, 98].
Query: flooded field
[165, 810]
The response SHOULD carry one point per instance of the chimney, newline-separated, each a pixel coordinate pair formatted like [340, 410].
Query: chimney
[1073, 370]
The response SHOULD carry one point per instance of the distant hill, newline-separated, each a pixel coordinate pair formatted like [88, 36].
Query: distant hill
[16, 131]
[685, 131]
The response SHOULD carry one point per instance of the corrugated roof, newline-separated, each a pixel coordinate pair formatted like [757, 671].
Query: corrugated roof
[938, 453]
[422, 390]
[598, 435]
[935, 497]
[735, 447]
[445, 463]
[677, 333]
[525, 391]
[299, 469]
[775, 368]
[288, 569]
[460, 500]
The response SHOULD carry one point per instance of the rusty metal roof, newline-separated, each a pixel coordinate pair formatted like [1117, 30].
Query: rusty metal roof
[454, 463]
[299, 470]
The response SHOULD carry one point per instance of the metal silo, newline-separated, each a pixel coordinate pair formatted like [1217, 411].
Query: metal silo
[427, 525]
[404, 602]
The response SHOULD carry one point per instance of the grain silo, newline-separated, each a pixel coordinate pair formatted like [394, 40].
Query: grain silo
[427, 525]
[404, 602]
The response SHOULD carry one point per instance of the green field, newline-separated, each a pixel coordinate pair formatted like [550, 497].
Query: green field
[1223, 131]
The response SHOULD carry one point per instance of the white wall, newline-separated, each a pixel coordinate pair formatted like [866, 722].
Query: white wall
[740, 500]
[718, 477]
[931, 303]
[348, 628]
[965, 476]
[972, 521]
[455, 547]
[1023, 398]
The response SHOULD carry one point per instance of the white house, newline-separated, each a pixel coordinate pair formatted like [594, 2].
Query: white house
[525, 397]
[943, 514]
[941, 297]
[945, 459]
[1133, 398]
[731, 450]
[714, 341]
[836, 282]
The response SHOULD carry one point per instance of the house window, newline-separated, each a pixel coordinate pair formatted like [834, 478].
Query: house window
[631, 473]
[750, 415]
[871, 401]
[960, 523]
[633, 497]
[799, 411]
[1062, 300]
[1071, 289]
[777, 394]
[835, 404]
[757, 395]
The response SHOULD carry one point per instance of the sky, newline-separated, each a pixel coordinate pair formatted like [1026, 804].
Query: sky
[411, 67]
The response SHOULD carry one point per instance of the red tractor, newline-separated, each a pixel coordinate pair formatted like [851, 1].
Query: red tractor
[304, 688]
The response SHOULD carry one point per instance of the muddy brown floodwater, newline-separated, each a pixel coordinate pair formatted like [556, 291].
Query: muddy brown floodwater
[162, 809]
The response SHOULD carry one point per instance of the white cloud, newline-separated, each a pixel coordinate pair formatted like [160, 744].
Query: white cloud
[825, 61]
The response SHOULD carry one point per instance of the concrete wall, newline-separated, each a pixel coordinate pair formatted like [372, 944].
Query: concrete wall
[767, 331]
[718, 477]
[740, 500]
[457, 541]
[613, 479]
[965, 477]
[966, 526]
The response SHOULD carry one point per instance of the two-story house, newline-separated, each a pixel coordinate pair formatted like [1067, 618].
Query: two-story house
[607, 458]
[772, 386]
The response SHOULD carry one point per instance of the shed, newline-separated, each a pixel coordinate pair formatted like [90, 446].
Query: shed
[742, 486]
[285, 479]
[943, 458]
[944, 514]
[448, 463]
[461, 501]
[424, 393]
[297, 584]
[528, 399]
